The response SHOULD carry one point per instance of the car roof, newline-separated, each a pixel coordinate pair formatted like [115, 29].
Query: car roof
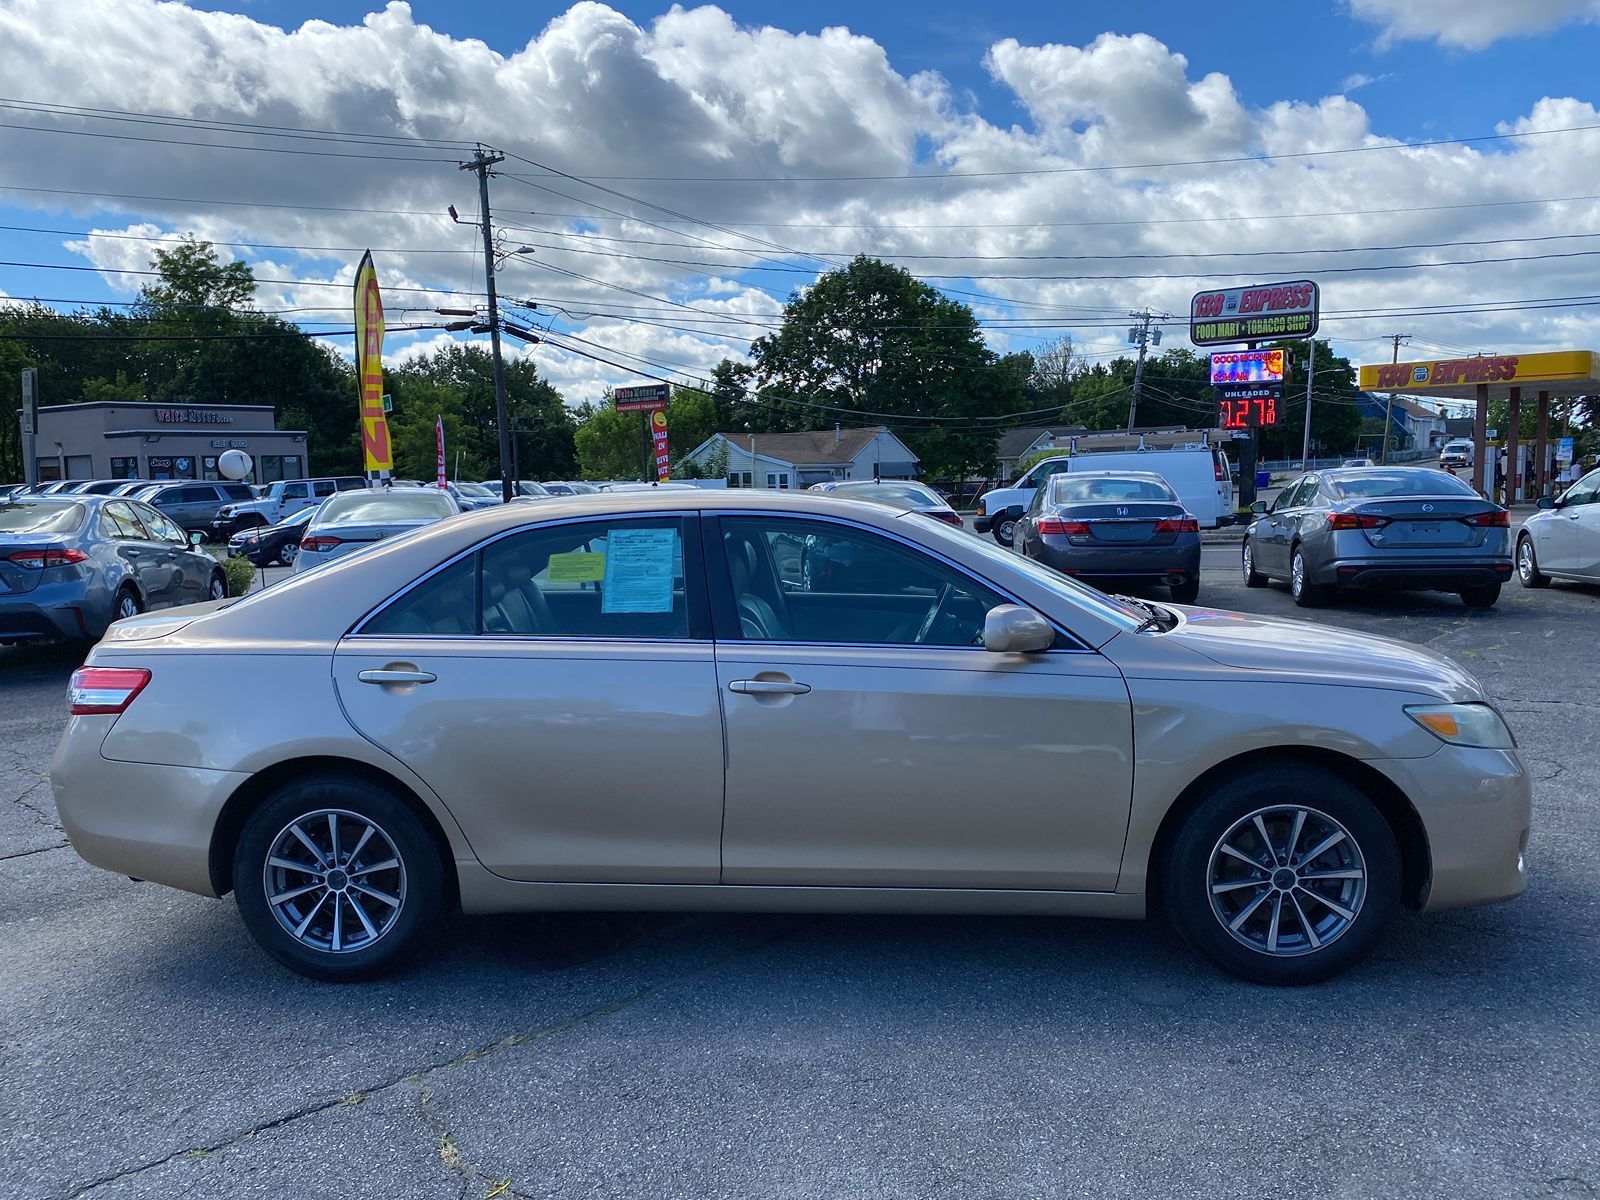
[1115, 475]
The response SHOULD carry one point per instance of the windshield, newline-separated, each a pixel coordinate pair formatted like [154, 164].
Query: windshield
[909, 495]
[1075, 489]
[1100, 604]
[40, 518]
[382, 508]
[1375, 484]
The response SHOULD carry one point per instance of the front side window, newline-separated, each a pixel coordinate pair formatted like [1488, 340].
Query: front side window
[814, 581]
[1289, 497]
[296, 491]
[1584, 491]
[160, 526]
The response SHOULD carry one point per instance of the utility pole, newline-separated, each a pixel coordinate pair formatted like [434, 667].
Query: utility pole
[1311, 371]
[481, 164]
[1144, 337]
[1388, 409]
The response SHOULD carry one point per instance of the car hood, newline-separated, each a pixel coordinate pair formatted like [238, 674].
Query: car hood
[1320, 653]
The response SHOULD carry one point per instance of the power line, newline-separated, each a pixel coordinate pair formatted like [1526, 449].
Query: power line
[279, 282]
[132, 137]
[1087, 169]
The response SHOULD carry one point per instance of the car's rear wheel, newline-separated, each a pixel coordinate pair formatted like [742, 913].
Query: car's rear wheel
[126, 605]
[1186, 592]
[286, 553]
[338, 878]
[1306, 594]
[1528, 573]
[1252, 577]
[1282, 876]
[1480, 597]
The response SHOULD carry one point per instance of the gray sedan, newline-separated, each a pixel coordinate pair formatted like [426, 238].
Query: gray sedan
[1372, 527]
[70, 565]
[1123, 525]
[351, 521]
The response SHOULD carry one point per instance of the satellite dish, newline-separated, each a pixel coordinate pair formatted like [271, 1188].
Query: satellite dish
[235, 464]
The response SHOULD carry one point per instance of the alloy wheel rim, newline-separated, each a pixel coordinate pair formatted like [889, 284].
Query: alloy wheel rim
[219, 589]
[129, 607]
[1299, 569]
[1008, 530]
[334, 881]
[1249, 561]
[1287, 880]
[1525, 560]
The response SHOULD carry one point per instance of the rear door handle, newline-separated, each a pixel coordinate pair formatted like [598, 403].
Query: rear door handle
[391, 675]
[768, 687]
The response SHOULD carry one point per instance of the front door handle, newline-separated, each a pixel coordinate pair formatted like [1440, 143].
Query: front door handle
[394, 675]
[768, 687]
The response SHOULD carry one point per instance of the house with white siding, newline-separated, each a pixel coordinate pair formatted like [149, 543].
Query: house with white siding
[797, 460]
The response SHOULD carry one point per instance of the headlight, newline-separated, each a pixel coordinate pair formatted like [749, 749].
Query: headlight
[983, 507]
[1463, 724]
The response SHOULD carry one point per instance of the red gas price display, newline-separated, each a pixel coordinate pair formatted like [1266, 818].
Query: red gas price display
[1255, 409]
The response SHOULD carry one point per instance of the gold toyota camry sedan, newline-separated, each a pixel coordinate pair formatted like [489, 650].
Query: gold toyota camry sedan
[776, 702]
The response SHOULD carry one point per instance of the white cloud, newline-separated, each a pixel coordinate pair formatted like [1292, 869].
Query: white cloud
[695, 95]
[1470, 24]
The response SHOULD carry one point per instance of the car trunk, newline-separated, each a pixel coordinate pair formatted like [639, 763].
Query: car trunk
[14, 577]
[1129, 523]
[1422, 522]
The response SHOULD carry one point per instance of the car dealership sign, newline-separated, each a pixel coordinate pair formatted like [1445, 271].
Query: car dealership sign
[1262, 312]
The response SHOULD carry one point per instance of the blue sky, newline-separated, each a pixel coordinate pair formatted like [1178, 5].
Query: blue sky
[684, 94]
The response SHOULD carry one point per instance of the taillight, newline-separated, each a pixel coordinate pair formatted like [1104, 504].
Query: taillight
[949, 518]
[1356, 521]
[1490, 520]
[1221, 470]
[1178, 525]
[1064, 528]
[38, 560]
[105, 689]
[321, 541]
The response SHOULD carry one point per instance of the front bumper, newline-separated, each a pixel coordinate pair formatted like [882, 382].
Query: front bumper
[1477, 810]
[150, 822]
[983, 524]
[1425, 575]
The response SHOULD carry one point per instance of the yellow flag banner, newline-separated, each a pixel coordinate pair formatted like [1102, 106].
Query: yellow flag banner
[369, 367]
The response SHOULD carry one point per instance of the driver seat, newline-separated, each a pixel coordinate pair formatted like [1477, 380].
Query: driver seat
[758, 620]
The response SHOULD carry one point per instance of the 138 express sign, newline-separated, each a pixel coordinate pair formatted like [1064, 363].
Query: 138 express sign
[1260, 312]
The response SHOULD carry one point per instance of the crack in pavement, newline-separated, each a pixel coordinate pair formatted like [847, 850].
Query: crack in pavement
[416, 1079]
[40, 850]
[21, 802]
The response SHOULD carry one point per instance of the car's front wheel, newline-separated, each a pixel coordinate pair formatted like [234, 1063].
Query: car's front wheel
[1282, 876]
[1528, 573]
[1005, 531]
[219, 586]
[338, 878]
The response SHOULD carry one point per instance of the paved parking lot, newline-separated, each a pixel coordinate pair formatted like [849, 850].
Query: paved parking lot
[148, 1050]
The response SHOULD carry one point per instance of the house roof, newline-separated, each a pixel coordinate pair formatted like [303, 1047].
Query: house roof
[1415, 409]
[1014, 443]
[813, 446]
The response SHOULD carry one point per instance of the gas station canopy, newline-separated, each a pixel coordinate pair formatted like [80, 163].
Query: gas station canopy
[1499, 377]
[1556, 373]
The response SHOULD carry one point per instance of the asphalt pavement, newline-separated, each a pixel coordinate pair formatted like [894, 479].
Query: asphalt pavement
[147, 1049]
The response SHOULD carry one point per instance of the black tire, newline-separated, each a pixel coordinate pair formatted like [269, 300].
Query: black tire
[1480, 597]
[213, 591]
[1247, 563]
[1277, 792]
[1306, 594]
[126, 598]
[1528, 573]
[419, 883]
[1005, 531]
[1187, 592]
[285, 555]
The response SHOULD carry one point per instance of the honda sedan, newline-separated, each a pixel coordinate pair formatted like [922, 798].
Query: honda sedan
[644, 701]
[1380, 527]
[354, 520]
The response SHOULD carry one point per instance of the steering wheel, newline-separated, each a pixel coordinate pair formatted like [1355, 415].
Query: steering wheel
[934, 613]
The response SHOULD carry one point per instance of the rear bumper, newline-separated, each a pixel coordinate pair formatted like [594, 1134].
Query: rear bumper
[1144, 562]
[1420, 576]
[75, 609]
[151, 822]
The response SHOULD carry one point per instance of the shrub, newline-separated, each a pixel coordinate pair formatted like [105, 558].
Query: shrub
[241, 573]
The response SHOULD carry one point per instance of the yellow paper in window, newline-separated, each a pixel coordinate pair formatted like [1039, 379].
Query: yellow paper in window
[577, 567]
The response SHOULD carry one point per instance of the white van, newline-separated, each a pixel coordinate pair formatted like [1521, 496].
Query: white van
[1199, 474]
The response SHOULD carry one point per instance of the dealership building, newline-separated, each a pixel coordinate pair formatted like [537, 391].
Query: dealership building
[114, 439]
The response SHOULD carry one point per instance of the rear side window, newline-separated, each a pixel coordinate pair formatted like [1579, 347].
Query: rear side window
[441, 606]
[118, 521]
[349, 483]
[238, 491]
[192, 495]
[322, 487]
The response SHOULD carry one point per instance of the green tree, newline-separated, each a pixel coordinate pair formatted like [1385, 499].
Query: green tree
[871, 339]
[610, 444]
[194, 285]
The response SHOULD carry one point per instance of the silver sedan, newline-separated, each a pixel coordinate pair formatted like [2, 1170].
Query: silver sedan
[354, 520]
[644, 700]
[70, 565]
[1380, 527]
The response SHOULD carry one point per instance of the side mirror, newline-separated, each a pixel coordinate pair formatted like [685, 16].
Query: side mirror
[1260, 506]
[1545, 502]
[1013, 629]
[196, 538]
